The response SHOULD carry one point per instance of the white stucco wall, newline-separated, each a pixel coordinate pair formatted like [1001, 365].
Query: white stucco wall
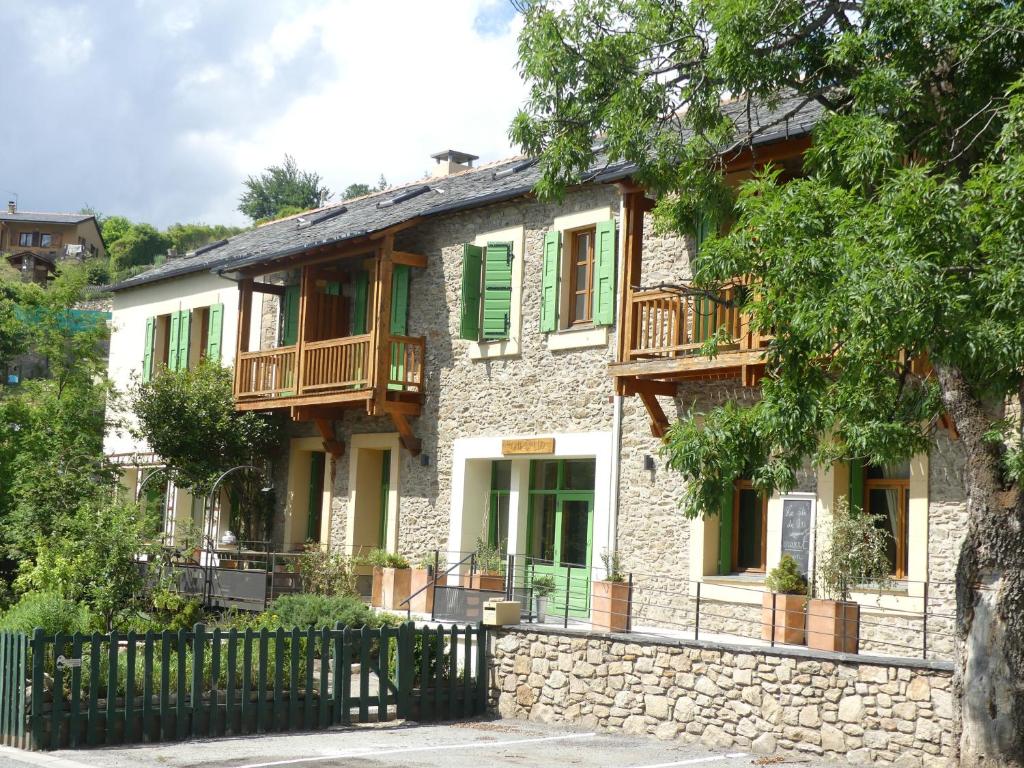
[131, 308]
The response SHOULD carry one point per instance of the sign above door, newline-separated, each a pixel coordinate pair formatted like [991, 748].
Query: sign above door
[528, 446]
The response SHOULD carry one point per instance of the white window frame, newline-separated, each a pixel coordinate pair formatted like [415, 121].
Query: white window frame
[567, 336]
[512, 346]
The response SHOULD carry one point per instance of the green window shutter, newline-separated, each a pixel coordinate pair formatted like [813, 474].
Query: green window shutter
[399, 299]
[290, 316]
[214, 330]
[856, 499]
[316, 491]
[725, 523]
[469, 322]
[147, 351]
[360, 291]
[497, 290]
[549, 282]
[184, 339]
[702, 227]
[172, 345]
[604, 274]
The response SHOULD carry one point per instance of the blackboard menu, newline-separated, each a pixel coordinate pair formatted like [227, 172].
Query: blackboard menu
[796, 531]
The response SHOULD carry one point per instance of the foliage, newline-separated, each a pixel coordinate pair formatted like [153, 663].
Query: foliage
[488, 558]
[328, 573]
[114, 228]
[279, 186]
[171, 611]
[543, 585]
[90, 558]
[854, 553]
[50, 611]
[188, 418]
[380, 558]
[318, 611]
[139, 246]
[187, 237]
[786, 579]
[612, 563]
[428, 561]
[358, 190]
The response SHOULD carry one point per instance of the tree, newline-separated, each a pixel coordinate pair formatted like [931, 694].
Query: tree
[139, 246]
[188, 237]
[899, 250]
[279, 186]
[358, 190]
[114, 228]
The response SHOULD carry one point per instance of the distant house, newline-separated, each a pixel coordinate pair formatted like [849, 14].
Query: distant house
[34, 242]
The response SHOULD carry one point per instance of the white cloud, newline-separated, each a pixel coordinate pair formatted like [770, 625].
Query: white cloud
[183, 105]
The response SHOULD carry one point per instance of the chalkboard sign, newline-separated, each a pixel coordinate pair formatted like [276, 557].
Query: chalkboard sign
[796, 530]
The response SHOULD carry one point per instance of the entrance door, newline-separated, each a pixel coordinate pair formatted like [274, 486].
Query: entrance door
[561, 529]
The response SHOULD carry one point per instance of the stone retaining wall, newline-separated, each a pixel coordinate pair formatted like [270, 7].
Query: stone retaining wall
[866, 710]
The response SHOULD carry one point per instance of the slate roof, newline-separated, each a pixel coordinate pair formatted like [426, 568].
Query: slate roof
[496, 182]
[36, 217]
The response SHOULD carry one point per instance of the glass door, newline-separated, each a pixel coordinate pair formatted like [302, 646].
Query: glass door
[560, 531]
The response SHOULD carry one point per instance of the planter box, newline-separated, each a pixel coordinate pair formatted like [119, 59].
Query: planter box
[833, 625]
[487, 580]
[790, 618]
[376, 594]
[609, 606]
[424, 601]
[395, 583]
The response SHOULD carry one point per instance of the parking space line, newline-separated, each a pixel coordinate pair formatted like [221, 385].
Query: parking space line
[694, 760]
[432, 748]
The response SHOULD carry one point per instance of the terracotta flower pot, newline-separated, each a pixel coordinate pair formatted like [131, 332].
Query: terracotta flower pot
[833, 625]
[790, 618]
[376, 591]
[609, 606]
[395, 583]
[420, 578]
[490, 581]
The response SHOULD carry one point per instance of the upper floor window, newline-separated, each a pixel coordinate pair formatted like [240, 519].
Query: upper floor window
[486, 313]
[578, 278]
[25, 239]
[581, 276]
[45, 240]
[180, 340]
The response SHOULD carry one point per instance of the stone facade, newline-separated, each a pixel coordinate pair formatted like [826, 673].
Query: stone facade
[864, 711]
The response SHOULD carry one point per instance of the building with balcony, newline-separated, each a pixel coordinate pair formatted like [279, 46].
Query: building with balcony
[459, 362]
[34, 242]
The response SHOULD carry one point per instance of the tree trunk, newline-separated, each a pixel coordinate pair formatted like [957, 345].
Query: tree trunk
[989, 678]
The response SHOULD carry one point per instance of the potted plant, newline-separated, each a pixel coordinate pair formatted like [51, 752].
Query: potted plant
[423, 578]
[855, 553]
[487, 572]
[610, 598]
[395, 580]
[783, 612]
[542, 587]
[378, 560]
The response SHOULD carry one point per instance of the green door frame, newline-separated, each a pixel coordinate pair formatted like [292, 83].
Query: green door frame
[317, 462]
[572, 580]
[385, 492]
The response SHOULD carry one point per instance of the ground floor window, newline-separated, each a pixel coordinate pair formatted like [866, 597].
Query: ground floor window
[749, 529]
[316, 496]
[887, 499]
[498, 507]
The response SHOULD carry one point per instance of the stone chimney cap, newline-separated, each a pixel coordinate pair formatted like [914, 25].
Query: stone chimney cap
[12, 206]
[455, 156]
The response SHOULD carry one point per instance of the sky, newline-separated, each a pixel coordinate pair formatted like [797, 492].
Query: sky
[159, 110]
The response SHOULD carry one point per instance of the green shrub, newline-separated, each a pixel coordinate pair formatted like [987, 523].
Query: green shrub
[327, 573]
[47, 610]
[318, 611]
[786, 579]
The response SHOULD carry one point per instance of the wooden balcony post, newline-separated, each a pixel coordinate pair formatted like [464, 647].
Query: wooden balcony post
[244, 324]
[305, 285]
[635, 204]
[382, 322]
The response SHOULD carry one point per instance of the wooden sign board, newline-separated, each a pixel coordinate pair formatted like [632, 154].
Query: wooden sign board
[797, 530]
[528, 446]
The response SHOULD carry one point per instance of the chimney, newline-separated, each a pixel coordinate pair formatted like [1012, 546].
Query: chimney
[452, 161]
[11, 206]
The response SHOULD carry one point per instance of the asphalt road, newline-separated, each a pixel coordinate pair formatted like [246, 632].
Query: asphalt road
[452, 745]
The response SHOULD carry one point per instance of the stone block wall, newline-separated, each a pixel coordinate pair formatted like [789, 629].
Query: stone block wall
[866, 711]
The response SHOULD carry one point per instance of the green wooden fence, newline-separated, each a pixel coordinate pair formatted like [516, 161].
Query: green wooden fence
[90, 690]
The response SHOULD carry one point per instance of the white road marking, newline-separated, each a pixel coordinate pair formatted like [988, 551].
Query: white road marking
[432, 748]
[694, 760]
[38, 758]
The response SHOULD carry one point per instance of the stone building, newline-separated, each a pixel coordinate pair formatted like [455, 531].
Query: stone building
[460, 362]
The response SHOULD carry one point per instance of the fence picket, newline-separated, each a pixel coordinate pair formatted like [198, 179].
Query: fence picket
[165, 685]
[467, 666]
[147, 688]
[214, 724]
[405, 672]
[364, 675]
[481, 669]
[453, 670]
[229, 703]
[180, 717]
[346, 673]
[336, 662]
[198, 646]
[7, 659]
[383, 661]
[438, 680]
[246, 681]
[74, 720]
[129, 689]
[278, 719]
[111, 708]
[307, 701]
[424, 699]
[293, 679]
[325, 668]
[261, 683]
[56, 712]
[93, 716]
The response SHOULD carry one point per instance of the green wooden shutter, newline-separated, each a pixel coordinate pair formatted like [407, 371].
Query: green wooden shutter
[725, 524]
[215, 328]
[147, 351]
[472, 261]
[497, 290]
[172, 345]
[604, 274]
[290, 316]
[549, 282]
[360, 293]
[184, 338]
[856, 499]
[399, 299]
[316, 491]
[702, 227]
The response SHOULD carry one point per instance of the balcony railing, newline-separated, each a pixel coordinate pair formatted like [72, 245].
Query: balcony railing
[665, 324]
[407, 353]
[266, 374]
[336, 364]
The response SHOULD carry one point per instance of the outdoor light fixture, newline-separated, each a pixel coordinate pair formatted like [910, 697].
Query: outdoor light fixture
[649, 462]
[424, 460]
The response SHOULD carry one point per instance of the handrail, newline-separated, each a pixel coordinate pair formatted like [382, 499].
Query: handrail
[432, 581]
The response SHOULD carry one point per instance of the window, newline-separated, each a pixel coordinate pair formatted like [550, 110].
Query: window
[749, 530]
[25, 239]
[45, 240]
[181, 339]
[887, 499]
[581, 275]
[497, 518]
[486, 312]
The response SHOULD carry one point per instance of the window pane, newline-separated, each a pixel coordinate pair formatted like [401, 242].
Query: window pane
[887, 471]
[582, 246]
[581, 277]
[501, 479]
[580, 308]
[579, 475]
[883, 503]
[542, 544]
[545, 475]
[45, 240]
[750, 541]
[501, 504]
[25, 238]
[575, 525]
